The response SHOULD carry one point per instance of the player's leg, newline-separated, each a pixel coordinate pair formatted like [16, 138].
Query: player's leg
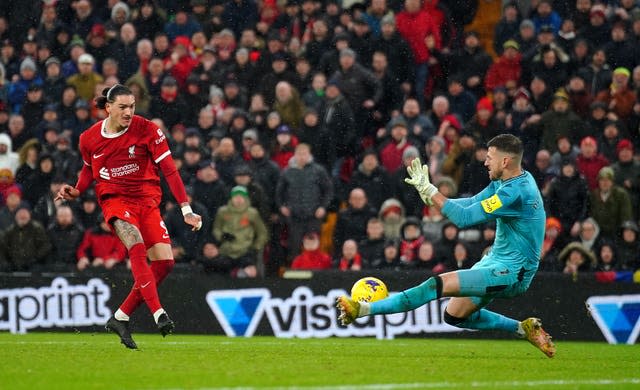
[477, 281]
[144, 280]
[433, 288]
[160, 267]
[468, 313]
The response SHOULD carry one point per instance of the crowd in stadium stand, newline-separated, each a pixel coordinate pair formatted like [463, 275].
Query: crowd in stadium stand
[292, 122]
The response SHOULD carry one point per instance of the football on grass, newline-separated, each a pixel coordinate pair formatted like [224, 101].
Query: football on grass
[369, 289]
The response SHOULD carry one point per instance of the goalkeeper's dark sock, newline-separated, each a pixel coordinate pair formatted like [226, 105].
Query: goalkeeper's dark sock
[144, 280]
[160, 270]
[410, 299]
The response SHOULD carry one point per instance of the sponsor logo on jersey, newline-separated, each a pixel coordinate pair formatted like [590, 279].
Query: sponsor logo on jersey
[104, 173]
[161, 137]
[124, 170]
[491, 204]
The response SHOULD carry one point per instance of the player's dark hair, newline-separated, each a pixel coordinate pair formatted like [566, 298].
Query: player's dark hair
[109, 95]
[507, 143]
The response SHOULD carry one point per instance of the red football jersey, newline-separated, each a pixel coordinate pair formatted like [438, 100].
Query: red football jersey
[125, 163]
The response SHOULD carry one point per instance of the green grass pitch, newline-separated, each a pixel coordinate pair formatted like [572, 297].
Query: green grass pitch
[99, 361]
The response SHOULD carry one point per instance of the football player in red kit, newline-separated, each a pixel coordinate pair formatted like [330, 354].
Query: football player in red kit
[123, 153]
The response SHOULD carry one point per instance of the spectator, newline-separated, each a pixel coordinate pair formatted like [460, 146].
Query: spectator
[621, 51]
[445, 246]
[628, 244]
[589, 162]
[265, 172]
[350, 259]
[461, 259]
[25, 244]
[507, 70]
[87, 211]
[18, 89]
[411, 239]
[238, 15]
[567, 198]
[86, 79]
[372, 247]
[626, 170]
[463, 102]
[243, 176]
[460, 154]
[148, 21]
[303, 194]
[54, 83]
[619, 97]
[609, 139]
[372, 178]
[508, 26]
[598, 31]
[391, 152]
[182, 25]
[284, 147]
[226, 159]
[241, 233]
[565, 150]
[398, 53]
[475, 178]
[575, 258]
[483, 125]
[409, 199]
[45, 208]
[607, 258]
[609, 204]
[312, 257]
[352, 221]
[12, 200]
[597, 75]
[469, 64]
[417, 27]
[338, 121]
[65, 237]
[551, 245]
[100, 247]
[391, 257]
[169, 105]
[580, 98]
[541, 170]
[8, 158]
[426, 259]
[558, 121]
[184, 241]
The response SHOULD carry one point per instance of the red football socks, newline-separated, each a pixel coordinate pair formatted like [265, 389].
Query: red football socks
[160, 270]
[144, 280]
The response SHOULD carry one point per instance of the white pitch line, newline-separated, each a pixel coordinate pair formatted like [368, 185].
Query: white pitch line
[444, 385]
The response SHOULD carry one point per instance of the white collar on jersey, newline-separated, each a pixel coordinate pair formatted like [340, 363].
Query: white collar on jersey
[104, 133]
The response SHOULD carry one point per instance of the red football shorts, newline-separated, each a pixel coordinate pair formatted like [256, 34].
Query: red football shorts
[143, 214]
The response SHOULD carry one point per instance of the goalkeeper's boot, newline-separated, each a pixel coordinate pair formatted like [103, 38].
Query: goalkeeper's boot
[349, 309]
[121, 328]
[165, 324]
[537, 336]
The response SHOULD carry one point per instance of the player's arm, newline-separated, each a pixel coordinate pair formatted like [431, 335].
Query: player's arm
[485, 193]
[85, 178]
[171, 175]
[497, 205]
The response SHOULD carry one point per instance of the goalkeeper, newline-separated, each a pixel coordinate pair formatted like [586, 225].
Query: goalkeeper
[513, 200]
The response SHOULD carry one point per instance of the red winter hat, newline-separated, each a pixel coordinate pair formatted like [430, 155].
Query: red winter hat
[484, 104]
[453, 121]
[624, 144]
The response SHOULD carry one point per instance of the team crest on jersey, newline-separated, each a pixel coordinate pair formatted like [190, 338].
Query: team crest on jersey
[132, 151]
[491, 204]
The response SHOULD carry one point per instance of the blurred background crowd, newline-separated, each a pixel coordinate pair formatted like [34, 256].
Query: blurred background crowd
[291, 123]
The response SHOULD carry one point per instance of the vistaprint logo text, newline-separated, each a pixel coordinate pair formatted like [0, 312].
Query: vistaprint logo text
[307, 315]
[60, 304]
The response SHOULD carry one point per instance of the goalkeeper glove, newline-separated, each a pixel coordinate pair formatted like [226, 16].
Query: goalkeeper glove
[419, 178]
